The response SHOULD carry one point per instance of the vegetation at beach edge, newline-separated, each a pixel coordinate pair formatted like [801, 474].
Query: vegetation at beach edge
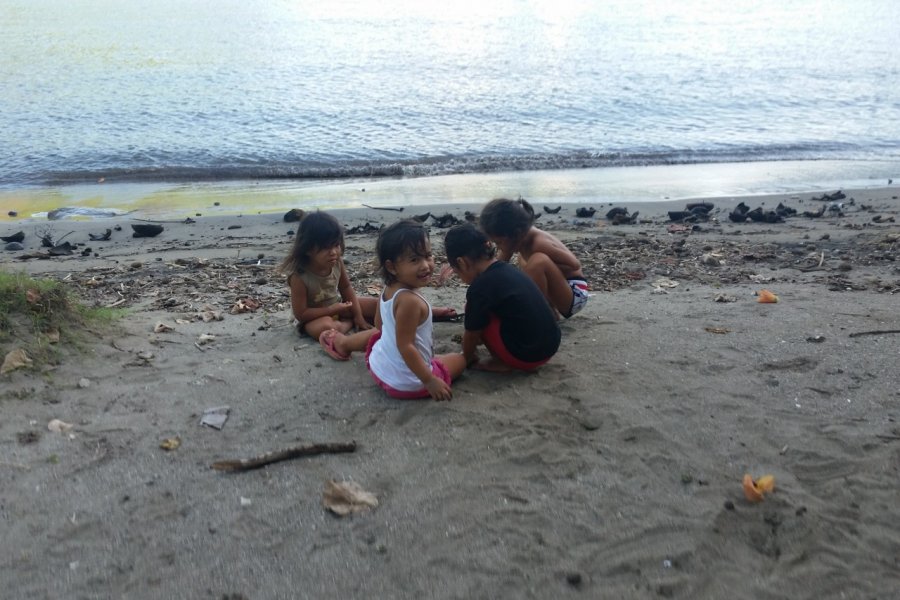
[42, 317]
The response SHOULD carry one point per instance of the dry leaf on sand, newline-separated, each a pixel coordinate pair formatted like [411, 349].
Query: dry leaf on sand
[347, 497]
[59, 426]
[15, 359]
[245, 305]
[162, 328]
[170, 443]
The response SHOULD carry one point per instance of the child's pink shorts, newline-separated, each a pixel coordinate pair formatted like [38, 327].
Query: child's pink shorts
[438, 369]
[494, 342]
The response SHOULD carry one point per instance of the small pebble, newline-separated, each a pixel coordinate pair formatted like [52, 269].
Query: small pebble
[729, 505]
[573, 578]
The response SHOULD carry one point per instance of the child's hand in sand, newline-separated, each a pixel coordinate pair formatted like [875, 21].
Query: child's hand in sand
[438, 389]
[362, 324]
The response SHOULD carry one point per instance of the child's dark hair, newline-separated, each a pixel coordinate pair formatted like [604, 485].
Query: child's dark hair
[317, 230]
[467, 241]
[506, 218]
[396, 239]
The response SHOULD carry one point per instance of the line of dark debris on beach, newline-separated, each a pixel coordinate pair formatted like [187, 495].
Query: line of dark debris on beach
[702, 243]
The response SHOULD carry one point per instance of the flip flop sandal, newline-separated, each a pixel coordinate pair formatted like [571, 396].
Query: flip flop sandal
[327, 343]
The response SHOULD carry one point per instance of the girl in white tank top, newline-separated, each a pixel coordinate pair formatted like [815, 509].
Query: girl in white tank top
[400, 354]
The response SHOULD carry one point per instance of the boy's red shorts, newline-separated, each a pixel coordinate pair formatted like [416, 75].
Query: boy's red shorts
[492, 339]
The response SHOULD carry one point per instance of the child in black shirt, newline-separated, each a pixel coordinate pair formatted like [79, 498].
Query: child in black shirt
[505, 310]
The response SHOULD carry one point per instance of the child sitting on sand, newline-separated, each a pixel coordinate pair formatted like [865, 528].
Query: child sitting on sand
[505, 310]
[545, 259]
[322, 298]
[401, 356]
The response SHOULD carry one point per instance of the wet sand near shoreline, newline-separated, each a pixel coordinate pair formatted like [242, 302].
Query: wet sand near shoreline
[613, 472]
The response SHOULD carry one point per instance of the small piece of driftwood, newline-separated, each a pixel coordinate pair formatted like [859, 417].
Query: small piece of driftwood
[877, 332]
[400, 209]
[248, 464]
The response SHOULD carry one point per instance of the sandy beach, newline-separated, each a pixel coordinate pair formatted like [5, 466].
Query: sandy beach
[615, 471]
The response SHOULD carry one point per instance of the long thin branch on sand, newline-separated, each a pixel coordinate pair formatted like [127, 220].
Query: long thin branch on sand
[400, 209]
[881, 332]
[247, 464]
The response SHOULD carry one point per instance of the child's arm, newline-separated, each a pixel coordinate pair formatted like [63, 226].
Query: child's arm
[561, 256]
[349, 295]
[470, 342]
[410, 310]
[505, 249]
[302, 311]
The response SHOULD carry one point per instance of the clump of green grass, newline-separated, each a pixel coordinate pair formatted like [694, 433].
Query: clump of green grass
[39, 315]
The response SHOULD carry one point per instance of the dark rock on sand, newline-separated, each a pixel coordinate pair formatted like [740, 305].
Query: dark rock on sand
[615, 212]
[552, 211]
[16, 237]
[703, 206]
[146, 230]
[585, 213]
[294, 215]
[445, 221]
[63, 249]
[13, 246]
[620, 216]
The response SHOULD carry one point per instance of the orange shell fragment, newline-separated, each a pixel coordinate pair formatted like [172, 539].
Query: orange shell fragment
[766, 297]
[751, 492]
[766, 484]
[754, 490]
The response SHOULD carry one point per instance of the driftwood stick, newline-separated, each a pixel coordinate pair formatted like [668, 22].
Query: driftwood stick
[247, 464]
[181, 222]
[400, 209]
[877, 332]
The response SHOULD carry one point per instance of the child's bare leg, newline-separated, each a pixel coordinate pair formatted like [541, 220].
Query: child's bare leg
[357, 342]
[368, 306]
[315, 327]
[550, 281]
[493, 364]
[455, 363]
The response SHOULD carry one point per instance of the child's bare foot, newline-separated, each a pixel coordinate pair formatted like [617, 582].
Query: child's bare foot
[329, 341]
[492, 365]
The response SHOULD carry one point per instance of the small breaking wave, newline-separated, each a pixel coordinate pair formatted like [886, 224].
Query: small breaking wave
[453, 165]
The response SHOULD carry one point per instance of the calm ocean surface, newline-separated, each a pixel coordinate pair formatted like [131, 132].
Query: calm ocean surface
[208, 90]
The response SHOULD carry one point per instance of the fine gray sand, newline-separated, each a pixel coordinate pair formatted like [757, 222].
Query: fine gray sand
[613, 472]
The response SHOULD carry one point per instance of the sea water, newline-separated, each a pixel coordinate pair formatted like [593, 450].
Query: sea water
[273, 91]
